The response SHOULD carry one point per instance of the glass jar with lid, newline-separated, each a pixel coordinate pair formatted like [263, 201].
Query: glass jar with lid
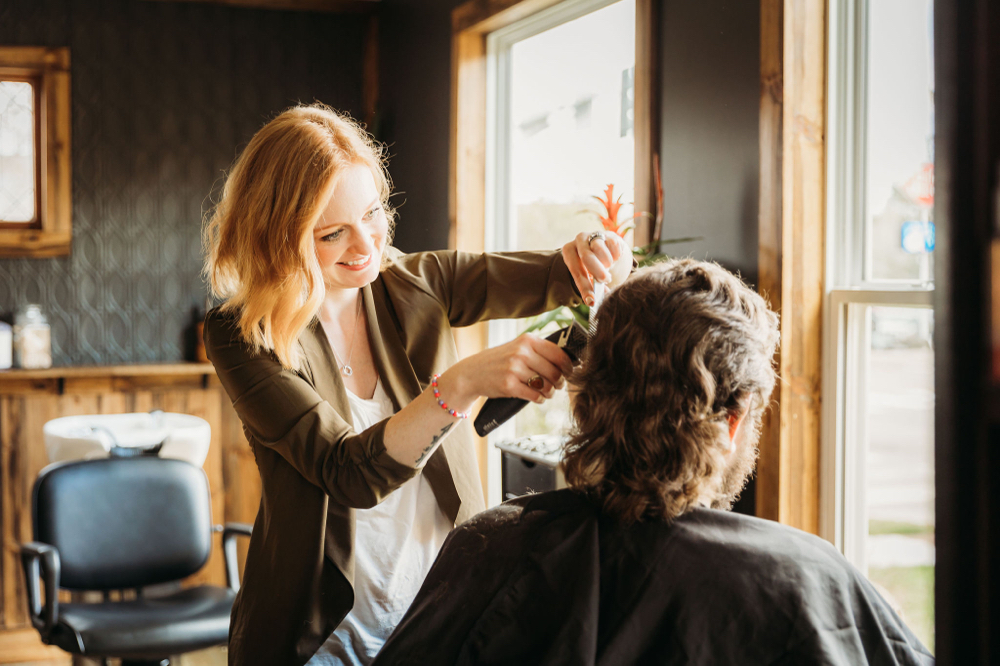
[32, 338]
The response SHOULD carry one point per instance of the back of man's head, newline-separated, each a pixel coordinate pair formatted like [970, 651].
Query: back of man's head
[682, 350]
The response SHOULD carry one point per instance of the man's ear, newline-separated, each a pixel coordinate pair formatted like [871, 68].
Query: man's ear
[735, 421]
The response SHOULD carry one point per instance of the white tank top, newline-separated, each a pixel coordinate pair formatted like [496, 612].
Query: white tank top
[395, 544]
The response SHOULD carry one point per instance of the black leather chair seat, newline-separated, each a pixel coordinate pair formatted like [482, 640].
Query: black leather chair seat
[190, 619]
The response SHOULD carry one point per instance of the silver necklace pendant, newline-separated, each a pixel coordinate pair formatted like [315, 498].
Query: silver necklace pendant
[347, 370]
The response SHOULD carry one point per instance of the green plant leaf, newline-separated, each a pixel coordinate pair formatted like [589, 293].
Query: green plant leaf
[543, 320]
[686, 239]
[581, 314]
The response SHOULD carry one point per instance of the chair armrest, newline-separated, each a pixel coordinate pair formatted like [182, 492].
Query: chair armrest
[41, 559]
[229, 534]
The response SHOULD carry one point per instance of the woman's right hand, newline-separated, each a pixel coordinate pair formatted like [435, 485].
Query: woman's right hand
[415, 432]
[504, 371]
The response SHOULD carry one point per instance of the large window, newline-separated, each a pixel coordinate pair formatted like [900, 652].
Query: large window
[560, 112]
[878, 502]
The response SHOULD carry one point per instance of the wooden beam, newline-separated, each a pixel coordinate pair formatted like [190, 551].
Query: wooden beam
[485, 16]
[646, 118]
[769, 233]
[467, 177]
[788, 471]
[467, 191]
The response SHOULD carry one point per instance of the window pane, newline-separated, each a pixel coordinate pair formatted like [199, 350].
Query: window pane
[571, 125]
[900, 139]
[17, 152]
[900, 463]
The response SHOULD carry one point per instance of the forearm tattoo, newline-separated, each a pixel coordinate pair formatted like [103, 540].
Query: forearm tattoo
[434, 442]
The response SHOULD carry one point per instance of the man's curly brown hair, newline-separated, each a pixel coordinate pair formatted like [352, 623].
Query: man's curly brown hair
[678, 348]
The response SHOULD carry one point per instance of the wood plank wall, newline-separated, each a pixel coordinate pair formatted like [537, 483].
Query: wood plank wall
[27, 402]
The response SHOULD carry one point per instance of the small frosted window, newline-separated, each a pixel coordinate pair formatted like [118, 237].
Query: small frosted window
[17, 152]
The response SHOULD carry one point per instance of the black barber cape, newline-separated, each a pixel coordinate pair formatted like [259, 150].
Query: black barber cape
[548, 579]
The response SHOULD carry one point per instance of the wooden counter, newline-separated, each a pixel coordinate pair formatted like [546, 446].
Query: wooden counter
[29, 398]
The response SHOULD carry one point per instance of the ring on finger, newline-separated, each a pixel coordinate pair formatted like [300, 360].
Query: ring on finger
[536, 383]
[594, 236]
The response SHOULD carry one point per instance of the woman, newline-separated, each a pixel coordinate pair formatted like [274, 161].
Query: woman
[326, 343]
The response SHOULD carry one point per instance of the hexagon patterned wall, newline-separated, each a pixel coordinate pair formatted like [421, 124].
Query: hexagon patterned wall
[164, 95]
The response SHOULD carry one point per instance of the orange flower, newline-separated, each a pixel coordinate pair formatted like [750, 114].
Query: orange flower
[611, 207]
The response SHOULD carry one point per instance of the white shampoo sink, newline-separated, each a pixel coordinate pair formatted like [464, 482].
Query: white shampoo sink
[183, 436]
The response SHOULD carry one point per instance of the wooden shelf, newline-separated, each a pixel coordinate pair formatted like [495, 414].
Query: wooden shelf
[151, 369]
[115, 378]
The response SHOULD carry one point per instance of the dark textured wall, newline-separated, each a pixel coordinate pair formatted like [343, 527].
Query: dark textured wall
[415, 108]
[163, 95]
[710, 151]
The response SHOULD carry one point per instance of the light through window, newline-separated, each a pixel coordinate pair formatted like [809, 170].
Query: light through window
[900, 140]
[899, 403]
[17, 152]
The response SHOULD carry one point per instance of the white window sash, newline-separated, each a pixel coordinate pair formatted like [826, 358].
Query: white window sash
[843, 452]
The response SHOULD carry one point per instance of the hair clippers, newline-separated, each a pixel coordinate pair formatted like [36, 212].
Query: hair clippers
[572, 339]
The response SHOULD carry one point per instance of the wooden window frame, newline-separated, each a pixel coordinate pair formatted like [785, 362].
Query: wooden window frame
[50, 234]
[792, 252]
[471, 23]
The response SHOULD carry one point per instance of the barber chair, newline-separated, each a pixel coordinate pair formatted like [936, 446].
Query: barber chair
[125, 523]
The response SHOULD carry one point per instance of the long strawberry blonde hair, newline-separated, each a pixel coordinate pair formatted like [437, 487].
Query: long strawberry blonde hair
[258, 239]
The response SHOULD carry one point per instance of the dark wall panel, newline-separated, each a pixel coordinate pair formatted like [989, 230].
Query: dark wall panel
[710, 135]
[164, 95]
[415, 104]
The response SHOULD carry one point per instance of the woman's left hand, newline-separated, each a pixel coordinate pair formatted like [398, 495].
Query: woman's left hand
[605, 259]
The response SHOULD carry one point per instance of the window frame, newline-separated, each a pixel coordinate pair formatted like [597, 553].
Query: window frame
[850, 289]
[50, 234]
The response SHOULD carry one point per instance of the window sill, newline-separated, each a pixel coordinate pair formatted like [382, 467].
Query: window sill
[37, 243]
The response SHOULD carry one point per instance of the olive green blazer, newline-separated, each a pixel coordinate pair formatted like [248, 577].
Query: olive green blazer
[316, 470]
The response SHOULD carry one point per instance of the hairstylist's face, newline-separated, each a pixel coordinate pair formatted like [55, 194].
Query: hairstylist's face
[350, 234]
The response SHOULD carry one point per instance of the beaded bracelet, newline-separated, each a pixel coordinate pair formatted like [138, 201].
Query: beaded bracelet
[444, 405]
